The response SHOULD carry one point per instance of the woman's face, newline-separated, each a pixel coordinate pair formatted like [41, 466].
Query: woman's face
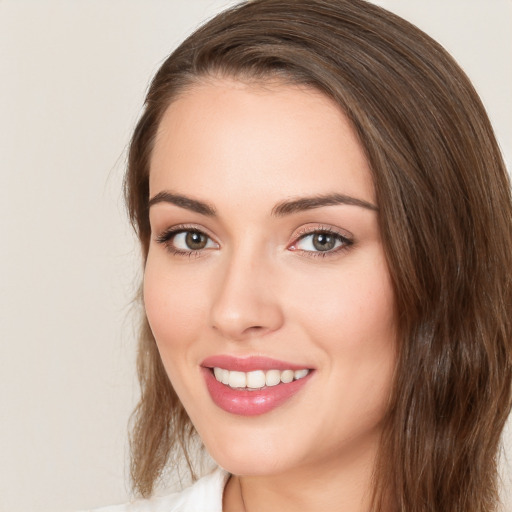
[266, 269]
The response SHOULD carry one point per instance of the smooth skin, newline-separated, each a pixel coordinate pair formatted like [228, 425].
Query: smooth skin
[246, 277]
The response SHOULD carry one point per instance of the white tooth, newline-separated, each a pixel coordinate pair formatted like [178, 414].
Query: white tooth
[256, 379]
[299, 374]
[225, 376]
[218, 373]
[272, 377]
[237, 379]
[286, 376]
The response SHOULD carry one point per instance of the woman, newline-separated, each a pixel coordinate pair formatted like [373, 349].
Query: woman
[326, 228]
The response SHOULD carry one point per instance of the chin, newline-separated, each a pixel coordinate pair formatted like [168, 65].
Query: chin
[243, 463]
[254, 451]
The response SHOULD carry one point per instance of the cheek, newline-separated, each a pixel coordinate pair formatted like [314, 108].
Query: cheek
[173, 306]
[354, 324]
[355, 305]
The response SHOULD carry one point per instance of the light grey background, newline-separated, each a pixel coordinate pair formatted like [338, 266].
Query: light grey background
[72, 81]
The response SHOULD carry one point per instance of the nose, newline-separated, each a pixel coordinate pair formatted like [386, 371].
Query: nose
[246, 304]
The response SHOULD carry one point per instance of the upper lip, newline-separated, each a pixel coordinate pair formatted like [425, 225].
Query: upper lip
[249, 364]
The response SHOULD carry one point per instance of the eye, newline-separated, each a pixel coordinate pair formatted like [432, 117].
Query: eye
[321, 241]
[191, 241]
[186, 241]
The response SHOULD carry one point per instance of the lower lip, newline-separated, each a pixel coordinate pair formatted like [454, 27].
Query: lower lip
[251, 403]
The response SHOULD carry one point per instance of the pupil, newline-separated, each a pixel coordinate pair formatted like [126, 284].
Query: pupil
[323, 242]
[195, 240]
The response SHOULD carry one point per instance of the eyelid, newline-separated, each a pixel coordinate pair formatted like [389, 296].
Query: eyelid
[321, 228]
[167, 235]
[183, 227]
[305, 231]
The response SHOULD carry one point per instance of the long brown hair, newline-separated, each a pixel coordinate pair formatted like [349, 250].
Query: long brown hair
[445, 214]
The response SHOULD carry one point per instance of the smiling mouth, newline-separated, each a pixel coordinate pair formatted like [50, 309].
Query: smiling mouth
[257, 380]
[254, 385]
[236, 397]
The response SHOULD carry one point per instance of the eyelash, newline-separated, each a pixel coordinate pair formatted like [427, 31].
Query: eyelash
[167, 236]
[346, 242]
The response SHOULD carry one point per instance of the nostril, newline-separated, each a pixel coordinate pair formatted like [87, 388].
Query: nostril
[241, 311]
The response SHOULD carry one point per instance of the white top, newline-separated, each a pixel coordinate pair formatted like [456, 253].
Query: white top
[205, 495]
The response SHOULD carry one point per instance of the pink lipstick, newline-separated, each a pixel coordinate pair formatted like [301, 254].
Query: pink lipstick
[253, 385]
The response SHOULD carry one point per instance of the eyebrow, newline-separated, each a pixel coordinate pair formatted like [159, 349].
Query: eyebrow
[309, 203]
[280, 210]
[183, 202]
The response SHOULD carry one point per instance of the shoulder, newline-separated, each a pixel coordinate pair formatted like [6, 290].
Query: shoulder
[205, 495]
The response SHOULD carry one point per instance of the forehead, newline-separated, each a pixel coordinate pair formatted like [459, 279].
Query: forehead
[241, 137]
